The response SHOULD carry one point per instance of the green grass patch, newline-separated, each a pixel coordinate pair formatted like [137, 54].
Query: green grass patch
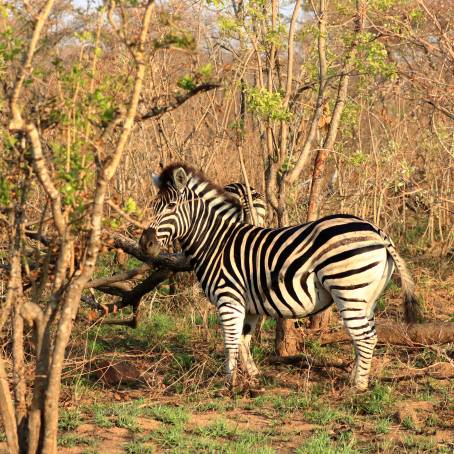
[433, 421]
[259, 353]
[161, 331]
[219, 428]
[313, 348]
[376, 401]
[381, 304]
[101, 415]
[158, 326]
[291, 403]
[122, 415]
[249, 441]
[422, 444]
[215, 405]
[168, 415]
[95, 347]
[269, 325]
[169, 437]
[323, 415]
[70, 440]
[320, 443]
[105, 265]
[183, 361]
[426, 358]
[408, 423]
[218, 437]
[69, 420]
[126, 417]
[138, 447]
[383, 426]
[262, 401]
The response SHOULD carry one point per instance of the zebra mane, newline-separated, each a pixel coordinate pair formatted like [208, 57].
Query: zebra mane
[166, 181]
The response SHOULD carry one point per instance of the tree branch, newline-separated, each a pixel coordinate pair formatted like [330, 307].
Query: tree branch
[17, 123]
[439, 108]
[124, 276]
[173, 262]
[303, 158]
[126, 215]
[133, 297]
[178, 101]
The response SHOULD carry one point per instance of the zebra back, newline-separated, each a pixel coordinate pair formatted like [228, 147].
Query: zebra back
[239, 191]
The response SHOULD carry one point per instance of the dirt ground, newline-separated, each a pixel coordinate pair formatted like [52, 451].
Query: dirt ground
[300, 411]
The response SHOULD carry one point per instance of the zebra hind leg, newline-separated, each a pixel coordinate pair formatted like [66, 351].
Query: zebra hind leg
[362, 331]
[365, 337]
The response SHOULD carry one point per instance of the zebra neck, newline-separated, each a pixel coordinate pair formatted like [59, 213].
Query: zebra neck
[208, 233]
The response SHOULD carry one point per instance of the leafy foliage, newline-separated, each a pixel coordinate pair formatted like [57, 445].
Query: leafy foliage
[266, 104]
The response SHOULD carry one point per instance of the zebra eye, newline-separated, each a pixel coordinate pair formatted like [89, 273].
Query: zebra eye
[171, 205]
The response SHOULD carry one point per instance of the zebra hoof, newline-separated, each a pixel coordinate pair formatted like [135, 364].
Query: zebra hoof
[361, 387]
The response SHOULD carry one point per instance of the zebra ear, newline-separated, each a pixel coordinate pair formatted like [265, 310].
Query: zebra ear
[180, 178]
[156, 180]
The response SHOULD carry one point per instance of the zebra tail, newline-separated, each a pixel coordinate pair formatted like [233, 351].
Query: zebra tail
[413, 310]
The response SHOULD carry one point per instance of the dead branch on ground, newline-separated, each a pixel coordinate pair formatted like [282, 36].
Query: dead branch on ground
[411, 335]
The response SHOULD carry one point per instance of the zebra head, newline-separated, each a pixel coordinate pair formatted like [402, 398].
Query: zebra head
[169, 210]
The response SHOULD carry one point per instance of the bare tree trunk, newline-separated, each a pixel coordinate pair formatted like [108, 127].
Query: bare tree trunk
[286, 334]
[286, 338]
[412, 335]
[7, 411]
[72, 296]
[6, 402]
[322, 319]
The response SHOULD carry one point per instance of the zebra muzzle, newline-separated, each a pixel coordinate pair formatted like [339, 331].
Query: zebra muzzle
[149, 243]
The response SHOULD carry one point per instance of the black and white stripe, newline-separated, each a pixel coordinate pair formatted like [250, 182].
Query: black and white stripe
[239, 190]
[289, 272]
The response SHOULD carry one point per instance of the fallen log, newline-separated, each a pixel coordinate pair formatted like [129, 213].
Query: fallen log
[412, 335]
[173, 262]
[440, 371]
[119, 277]
[130, 297]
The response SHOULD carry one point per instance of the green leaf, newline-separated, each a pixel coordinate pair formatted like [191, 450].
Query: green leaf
[187, 82]
[130, 206]
[206, 70]
[267, 104]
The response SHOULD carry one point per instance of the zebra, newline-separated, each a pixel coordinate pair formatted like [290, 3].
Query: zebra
[290, 272]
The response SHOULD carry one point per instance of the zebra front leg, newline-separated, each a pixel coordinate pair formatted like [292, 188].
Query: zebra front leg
[231, 316]
[246, 358]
